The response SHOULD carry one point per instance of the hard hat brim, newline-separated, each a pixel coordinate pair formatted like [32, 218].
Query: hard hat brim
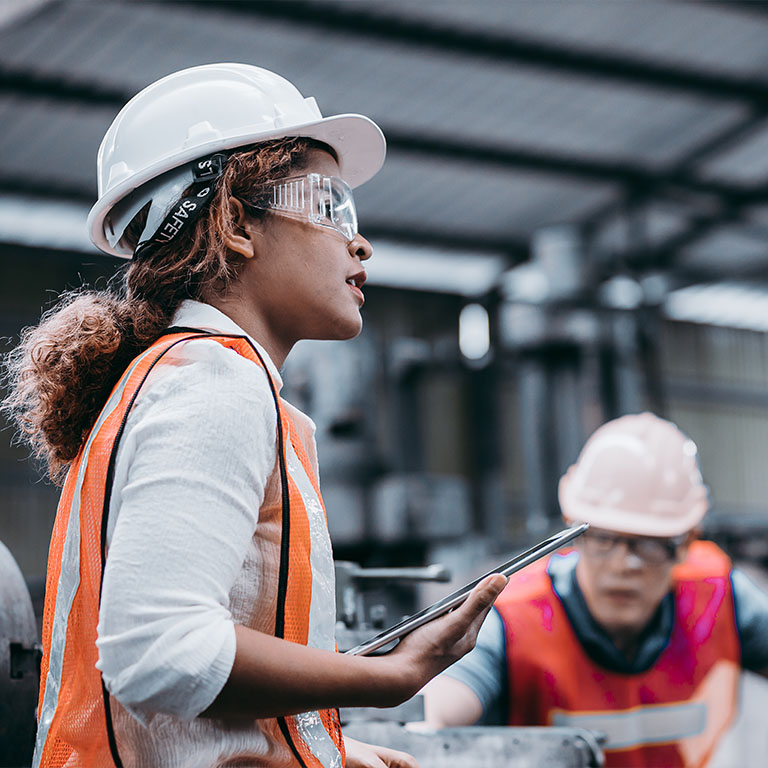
[358, 142]
[619, 520]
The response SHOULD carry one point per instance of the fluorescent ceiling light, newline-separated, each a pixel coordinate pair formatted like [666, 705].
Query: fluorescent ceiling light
[44, 223]
[431, 269]
[729, 304]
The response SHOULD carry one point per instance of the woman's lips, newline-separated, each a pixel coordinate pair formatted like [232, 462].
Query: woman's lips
[357, 293]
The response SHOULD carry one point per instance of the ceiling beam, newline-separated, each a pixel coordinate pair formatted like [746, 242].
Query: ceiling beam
[34, 83]
[753, 7]
[380, 24]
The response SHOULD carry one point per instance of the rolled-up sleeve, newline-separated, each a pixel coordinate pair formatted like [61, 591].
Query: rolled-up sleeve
[190, 477]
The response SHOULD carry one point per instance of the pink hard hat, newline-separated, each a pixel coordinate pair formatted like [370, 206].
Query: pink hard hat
[637, 474]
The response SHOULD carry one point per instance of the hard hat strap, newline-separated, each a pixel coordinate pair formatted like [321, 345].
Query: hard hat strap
[186, 210]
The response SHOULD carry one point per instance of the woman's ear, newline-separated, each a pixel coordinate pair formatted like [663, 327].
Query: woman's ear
[240, 238]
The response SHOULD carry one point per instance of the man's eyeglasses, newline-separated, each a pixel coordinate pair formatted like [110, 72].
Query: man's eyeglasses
[650, 549]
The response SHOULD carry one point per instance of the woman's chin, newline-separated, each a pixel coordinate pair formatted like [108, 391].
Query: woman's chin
[339, 331]
[348, 327]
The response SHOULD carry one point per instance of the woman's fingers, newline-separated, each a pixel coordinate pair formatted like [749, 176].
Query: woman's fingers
[362, 755]
[469, 616]
[451, 636]
[482, 597]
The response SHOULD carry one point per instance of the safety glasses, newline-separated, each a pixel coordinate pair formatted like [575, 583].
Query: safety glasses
[322, 200]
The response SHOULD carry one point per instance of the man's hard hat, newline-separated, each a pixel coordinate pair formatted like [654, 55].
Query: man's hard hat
[203, 110]
[637, 474]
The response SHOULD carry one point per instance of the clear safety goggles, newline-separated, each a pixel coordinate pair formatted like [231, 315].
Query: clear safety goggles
[326, 201]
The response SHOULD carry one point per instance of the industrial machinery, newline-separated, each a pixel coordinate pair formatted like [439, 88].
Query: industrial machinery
[486, 746]
[19, 665]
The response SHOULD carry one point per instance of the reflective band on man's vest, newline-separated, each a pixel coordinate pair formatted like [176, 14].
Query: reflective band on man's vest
[670, 715]
[75, 729]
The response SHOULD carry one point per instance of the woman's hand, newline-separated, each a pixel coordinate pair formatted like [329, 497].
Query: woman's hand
[432, 648]
[361, 755]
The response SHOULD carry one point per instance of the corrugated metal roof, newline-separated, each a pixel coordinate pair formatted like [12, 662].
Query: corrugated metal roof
[485, 146]
[710, 36]
[474, 100]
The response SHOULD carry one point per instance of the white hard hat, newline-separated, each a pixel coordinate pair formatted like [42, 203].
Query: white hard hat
[201, 111]
[637, 474]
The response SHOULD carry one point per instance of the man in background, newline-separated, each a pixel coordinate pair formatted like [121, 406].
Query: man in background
[639, 632]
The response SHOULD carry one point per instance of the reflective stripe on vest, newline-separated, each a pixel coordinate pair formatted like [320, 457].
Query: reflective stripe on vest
[75, 727]
[309, 726]
[657, 724]
[671, 714]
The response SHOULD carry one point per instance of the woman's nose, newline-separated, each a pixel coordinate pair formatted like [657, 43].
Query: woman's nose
[360, 247]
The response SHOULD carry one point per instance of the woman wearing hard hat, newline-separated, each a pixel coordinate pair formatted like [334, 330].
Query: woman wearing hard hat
[640, 633]
[189, 616]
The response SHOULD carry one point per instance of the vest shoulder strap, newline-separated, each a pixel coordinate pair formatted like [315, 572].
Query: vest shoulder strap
[705, 560]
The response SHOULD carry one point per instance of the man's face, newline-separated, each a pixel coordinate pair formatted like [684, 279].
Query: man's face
[624, 578]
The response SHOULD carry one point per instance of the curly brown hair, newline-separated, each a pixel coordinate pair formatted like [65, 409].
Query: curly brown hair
[61, 373]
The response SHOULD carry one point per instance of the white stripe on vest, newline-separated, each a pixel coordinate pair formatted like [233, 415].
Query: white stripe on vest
[322, 610]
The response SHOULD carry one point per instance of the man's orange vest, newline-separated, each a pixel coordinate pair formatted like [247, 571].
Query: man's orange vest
[75, 727]
[672, 714]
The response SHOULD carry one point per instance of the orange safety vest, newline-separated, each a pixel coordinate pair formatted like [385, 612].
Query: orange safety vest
[670, 715]
[75, 725]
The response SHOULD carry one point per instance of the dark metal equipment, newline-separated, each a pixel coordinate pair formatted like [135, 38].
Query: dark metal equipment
[356, 620]
[486, 746]
[19, 665]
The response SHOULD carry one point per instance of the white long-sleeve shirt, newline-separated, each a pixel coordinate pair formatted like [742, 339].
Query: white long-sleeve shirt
[186, 555]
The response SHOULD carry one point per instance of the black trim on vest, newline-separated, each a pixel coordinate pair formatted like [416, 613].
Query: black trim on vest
[282, 593]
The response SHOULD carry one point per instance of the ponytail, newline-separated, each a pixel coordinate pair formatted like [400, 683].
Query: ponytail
[63, 370]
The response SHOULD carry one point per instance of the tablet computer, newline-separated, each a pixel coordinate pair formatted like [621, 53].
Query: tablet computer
[442, 607]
